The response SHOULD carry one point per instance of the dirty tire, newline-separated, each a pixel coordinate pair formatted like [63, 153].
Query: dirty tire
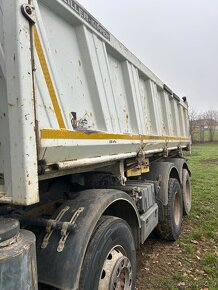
[111, 243]
[170, 227]
[187, 193]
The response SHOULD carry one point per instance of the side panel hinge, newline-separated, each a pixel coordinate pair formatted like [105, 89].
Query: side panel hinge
[28, 12]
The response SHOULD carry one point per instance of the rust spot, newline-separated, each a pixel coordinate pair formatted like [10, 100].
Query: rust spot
[29, 182]
[26, 116]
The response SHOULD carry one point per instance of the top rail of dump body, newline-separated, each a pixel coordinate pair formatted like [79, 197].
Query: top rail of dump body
[74, 98]
[83, 16]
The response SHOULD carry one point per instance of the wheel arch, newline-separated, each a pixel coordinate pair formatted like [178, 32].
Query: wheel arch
[162, 171]
[124, 210]
[180, 164]
[185, 166]
[95, 203]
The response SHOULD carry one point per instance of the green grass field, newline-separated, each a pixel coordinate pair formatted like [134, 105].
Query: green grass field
[201, 243]
[192, 261]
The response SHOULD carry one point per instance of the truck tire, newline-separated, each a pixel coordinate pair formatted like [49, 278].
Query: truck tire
[187, 193]
[110, 259]
[170, 227]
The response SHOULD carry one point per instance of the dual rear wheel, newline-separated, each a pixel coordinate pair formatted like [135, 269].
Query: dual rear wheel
[110, 260]
[169, 228]
[179, 204]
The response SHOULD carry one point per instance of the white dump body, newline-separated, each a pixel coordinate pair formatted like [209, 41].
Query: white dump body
[72, 95]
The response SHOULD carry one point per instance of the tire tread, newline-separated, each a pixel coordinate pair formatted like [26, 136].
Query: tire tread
[166, 228]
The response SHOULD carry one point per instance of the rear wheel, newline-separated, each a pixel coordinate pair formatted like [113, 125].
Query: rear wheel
[110, 260]
[170, 227]
[187, 193]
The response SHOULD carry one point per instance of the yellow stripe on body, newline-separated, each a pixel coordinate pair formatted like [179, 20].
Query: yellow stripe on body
[66, 134]
[48, 80]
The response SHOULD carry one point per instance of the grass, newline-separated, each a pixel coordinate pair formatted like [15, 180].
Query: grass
[192, 261]
[189, 248]
[203, 218]
[205, 189]
[210, 265]
[197, 234]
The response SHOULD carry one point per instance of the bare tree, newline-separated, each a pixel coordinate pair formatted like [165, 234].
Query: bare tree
[211, 121]
[193, 117]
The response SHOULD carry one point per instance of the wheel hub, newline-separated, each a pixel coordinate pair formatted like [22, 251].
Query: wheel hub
[116, 272]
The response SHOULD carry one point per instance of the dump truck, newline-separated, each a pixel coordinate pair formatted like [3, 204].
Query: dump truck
[92, 148]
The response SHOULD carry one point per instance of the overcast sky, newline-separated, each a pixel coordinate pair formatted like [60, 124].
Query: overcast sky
[176, 39]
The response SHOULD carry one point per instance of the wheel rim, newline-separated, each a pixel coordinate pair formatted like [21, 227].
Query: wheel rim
[177, 209]
[116, 272]
[187, 194]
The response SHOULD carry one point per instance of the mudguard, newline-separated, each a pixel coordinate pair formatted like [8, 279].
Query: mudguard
[162, 171]
[60, 260]
[179, 163]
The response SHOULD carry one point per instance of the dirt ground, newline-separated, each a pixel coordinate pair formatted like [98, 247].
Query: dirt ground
[167, 265]
[212, 161]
